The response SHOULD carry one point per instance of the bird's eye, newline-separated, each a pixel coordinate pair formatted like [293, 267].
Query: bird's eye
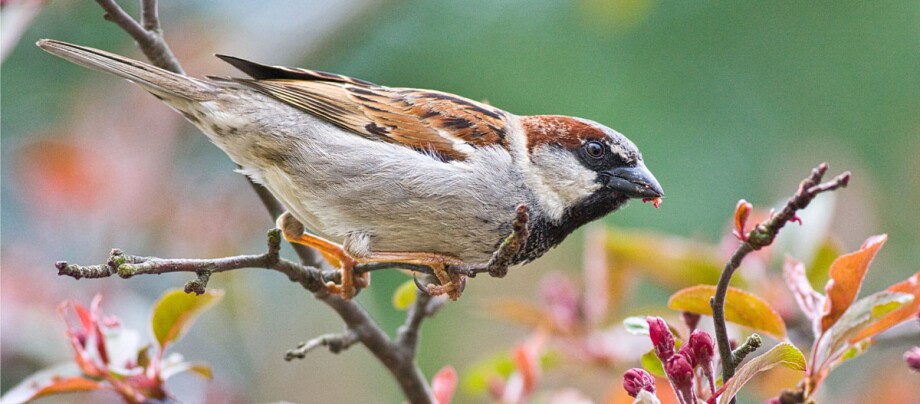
[594, 149]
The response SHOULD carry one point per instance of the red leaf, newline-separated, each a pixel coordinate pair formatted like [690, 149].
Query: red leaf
[847, 273]
[906, 312]
[444, 384]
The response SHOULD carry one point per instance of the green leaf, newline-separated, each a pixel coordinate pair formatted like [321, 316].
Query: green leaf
[908, 311]
[783, 354]
[175, 312]
[652, 364]
[860, 315]
[636, 325]
[404, 295]
[741, 307]
[58, 379]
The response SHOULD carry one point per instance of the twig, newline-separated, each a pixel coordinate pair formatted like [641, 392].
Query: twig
[751, 344]
[335, 342]
[127, 266]
[761, 236]
[149, 36]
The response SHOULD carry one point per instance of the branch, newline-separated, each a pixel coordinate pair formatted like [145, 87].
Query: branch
[761, 236]
[149, 36]
[398, 357]
[127, 266]
[335, 342]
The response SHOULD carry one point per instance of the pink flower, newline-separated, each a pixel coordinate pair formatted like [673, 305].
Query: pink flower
[636, 380]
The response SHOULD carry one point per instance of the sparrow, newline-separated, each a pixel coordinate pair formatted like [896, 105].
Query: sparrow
[397, 175]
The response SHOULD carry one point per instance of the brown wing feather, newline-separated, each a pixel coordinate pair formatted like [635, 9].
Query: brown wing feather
[427, 121]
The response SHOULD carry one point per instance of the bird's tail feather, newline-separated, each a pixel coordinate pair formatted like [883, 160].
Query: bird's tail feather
[156, 80]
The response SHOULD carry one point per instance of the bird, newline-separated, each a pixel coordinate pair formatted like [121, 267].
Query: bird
[375, 174]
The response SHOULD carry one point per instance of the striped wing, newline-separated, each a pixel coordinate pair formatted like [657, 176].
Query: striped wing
[425, 120]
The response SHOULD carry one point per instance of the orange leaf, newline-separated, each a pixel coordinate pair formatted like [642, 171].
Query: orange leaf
[67, 385]
[847, 273]
[906, 312]
[63, 378]
[741, 307]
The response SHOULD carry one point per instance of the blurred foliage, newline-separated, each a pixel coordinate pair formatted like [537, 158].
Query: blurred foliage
[725, 99]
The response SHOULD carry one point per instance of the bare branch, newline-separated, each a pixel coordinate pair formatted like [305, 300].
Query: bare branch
[149, 16]
[127, 266]
[425, 306]
[149, 40]
[335, 342]
[761, 236]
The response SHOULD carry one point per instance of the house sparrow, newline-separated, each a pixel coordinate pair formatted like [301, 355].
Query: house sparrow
[397, 175]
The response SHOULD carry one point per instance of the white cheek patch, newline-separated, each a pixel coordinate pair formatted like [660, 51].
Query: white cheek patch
[560, 178]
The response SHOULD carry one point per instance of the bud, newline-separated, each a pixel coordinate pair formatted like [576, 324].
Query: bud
[680, 373]
[700, 351]
[742, 212]
[912, 357]
[699, 348]
[636, 380]
[691, 319]
[661, 336]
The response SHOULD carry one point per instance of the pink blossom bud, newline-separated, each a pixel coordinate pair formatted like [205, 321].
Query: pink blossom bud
[636, 380]
[912, 357]
[700, 348]
[680, 373]
[661, 336]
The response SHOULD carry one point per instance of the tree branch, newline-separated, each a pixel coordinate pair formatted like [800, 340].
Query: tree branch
[761, 236]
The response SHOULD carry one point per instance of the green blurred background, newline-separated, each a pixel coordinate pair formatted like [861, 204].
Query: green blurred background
[727, 100]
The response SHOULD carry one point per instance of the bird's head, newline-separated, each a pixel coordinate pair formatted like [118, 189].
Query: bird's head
[576, 162]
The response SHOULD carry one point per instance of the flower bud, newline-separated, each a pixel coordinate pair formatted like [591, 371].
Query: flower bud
[636, 380]
[661, 336]
[912, 357]
[680, 373]
[700, 349]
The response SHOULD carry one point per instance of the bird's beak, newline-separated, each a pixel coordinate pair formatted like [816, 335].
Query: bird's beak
[634, 182]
